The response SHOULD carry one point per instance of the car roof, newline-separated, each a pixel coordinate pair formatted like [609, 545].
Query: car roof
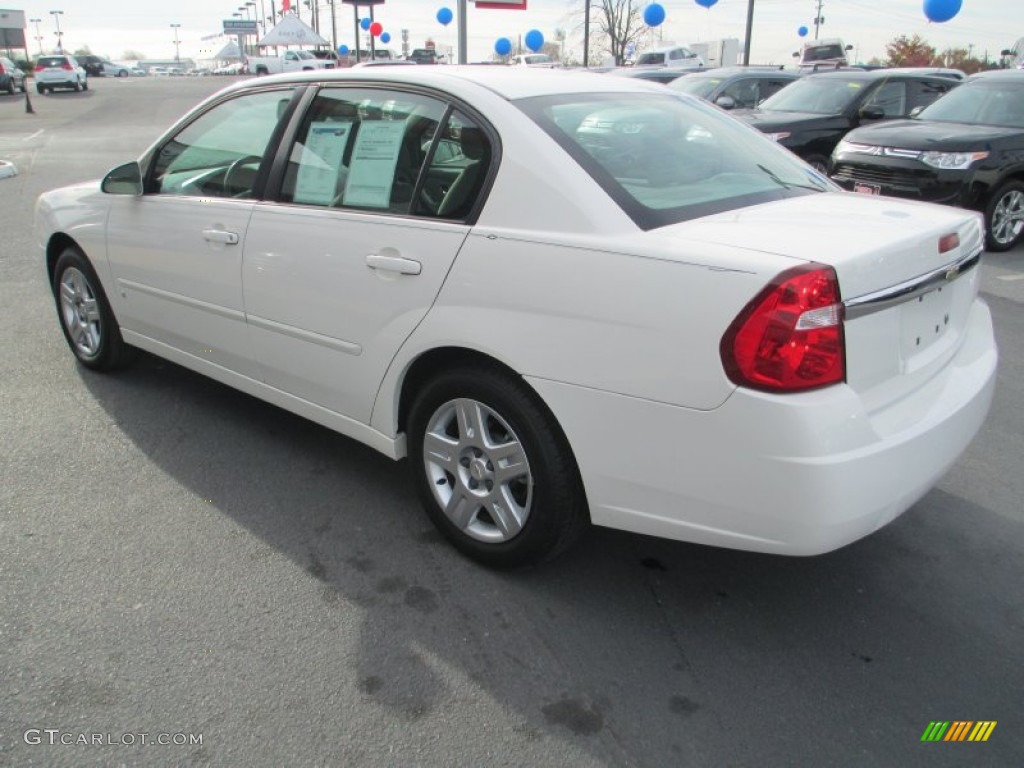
[508, 82]
[1012, 75]
[875, 74]
[753, 70]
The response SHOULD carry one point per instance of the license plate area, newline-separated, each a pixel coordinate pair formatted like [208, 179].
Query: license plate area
[867, 189]
[925, 321]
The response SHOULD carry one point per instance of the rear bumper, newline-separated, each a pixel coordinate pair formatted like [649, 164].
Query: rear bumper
[796, 475]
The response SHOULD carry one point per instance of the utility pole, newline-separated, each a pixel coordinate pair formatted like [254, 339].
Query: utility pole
[586, 33]
[818, 18]
[750, 31]
[177, 48]
[39, 37]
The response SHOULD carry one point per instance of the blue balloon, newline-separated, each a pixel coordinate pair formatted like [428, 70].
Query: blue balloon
[534, 40]
[802, 31]
[343, 50]
[654, 15]
[364, 23]
[503, 46]
[385, 37]
[445, 16]
[706, 3]
[941, 10]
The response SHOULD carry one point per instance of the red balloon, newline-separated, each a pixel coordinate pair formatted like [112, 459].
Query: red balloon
[376, 28]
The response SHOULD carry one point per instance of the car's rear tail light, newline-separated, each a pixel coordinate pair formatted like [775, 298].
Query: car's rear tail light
[66, 65]
[39, 68]
[948, 242]
[2, 70]
[789, 337]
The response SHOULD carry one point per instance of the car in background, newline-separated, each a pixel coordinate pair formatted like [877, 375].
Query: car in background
[538, 60]
[12, 79]
[735, 87]
[159, 71]
[734, 353]
[60, 71]
[91, 63]
[966, 149]
[674, 57]
[423, 55]
[113, 69]
[812, 114]
[662, 75]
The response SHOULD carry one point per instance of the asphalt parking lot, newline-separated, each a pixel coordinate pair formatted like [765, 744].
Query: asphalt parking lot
[180, 560]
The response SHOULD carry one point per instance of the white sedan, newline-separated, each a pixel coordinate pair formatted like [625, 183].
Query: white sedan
[566, 299]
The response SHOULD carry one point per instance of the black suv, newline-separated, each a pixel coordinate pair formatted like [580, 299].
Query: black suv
[735, 87]
[810, 116]
[93, 65]
[966, 149]
[423, 56]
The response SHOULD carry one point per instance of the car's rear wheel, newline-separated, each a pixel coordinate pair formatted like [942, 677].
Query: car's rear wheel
[85, 315]
[78, 86]
[122, 73]
[85, 84]
[1004, 217]
[492, 468]
[11, 89]
[40, 89]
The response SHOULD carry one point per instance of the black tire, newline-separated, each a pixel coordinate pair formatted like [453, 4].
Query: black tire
[122, 73]
[85, 84]
[78, 86]
[11, 88]
[1001, 235]
[40, 89]
[550, 490]
[94, 336]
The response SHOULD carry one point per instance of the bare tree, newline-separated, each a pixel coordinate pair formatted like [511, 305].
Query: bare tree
[618, 24]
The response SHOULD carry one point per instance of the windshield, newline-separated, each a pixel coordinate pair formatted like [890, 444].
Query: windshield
[304, 55]
[823, 53]
[981, 103]
[666, 159]
[696, 85]
[817, 95]
[651, 58]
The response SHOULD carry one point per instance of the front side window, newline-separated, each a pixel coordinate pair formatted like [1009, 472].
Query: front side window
[696, 85]
[220, 153]
[891, 97]
[746, 92]
[665, 159]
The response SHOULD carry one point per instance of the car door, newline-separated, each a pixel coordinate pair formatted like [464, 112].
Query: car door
[343, 267]
[176, 250]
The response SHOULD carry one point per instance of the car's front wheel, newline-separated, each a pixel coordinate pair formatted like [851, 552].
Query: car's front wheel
[85, 315]
[1004, 217]
[40, 89]
[493, 469]
[85, 84]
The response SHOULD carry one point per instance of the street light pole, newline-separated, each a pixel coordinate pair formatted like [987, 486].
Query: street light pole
[177, 49]
[60, 35]
[39, 37]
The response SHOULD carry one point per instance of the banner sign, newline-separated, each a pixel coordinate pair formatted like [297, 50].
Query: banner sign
[240, 27]
[502, 5]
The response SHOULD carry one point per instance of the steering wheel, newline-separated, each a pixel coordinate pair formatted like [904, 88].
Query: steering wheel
[233, 168]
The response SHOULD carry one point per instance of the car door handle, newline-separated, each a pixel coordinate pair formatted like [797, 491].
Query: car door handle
[221, 236]
[394, 264]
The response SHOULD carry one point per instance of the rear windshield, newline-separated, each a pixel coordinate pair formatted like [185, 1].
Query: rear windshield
[651, 58]
[824, 53]
[52, 61]
[696, 85]
[981, 103]
[669, 158]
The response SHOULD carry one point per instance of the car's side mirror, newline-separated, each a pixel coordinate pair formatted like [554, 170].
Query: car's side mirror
[916, 111]
[124, 180]
[872, 113]
[726, 102]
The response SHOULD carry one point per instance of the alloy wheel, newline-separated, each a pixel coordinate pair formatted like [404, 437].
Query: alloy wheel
[81, 313]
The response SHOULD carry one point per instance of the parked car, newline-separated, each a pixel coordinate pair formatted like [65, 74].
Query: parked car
[662, 75]
[60, 71]
[92, 64]
[811, 115]
[423, 55]
[735, 87]
[734, 352]
[829, 51]
[966, 149]
[12, 79]
[113, 69]
[673, 56]
[289, 61]
[539, 60]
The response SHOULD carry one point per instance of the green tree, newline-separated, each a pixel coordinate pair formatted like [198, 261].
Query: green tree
[132, 55]
[83, 51]
[910, 52]
[959, 58]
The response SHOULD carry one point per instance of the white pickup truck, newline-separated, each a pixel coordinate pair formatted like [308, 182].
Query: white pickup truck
[289, 61]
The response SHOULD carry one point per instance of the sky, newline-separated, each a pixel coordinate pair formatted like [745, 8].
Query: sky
[110, 27]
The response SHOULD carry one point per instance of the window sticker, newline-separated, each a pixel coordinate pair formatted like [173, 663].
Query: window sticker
[372, 170]
[320, 164]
